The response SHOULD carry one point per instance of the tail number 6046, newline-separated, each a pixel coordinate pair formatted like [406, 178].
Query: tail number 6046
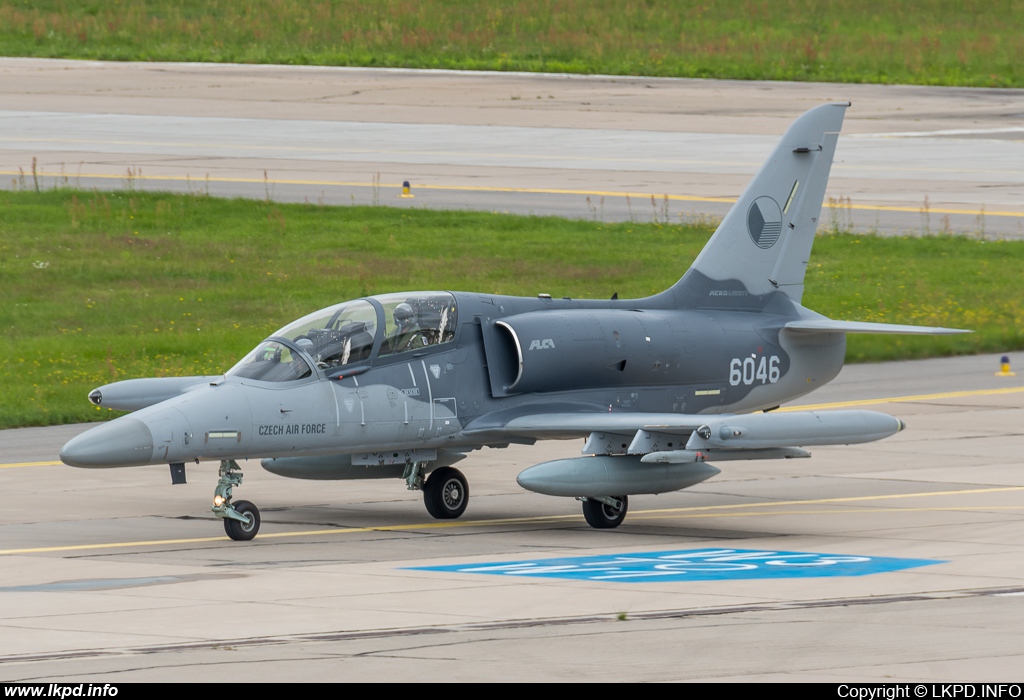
[751, 370]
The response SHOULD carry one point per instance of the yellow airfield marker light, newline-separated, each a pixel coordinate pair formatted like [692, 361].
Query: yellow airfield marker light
[406, 194]
[1004, 367]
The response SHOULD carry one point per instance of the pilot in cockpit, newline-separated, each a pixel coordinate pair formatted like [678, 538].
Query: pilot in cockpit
[407, 334]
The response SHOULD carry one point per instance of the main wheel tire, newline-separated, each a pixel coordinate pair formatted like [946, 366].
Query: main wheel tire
[446, 493]
[239, 531]
[603, 516]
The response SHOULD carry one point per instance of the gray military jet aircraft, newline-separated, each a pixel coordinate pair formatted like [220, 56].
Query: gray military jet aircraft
[404, 385]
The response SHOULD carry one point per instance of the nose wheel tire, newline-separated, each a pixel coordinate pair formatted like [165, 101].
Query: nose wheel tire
[446, 493]
[239, 531]
[603, 516]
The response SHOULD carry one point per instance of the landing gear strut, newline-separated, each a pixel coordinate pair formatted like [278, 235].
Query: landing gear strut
[603, 512]
[413, 475]
[241, 519]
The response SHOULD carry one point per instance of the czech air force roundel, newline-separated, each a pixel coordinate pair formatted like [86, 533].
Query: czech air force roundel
[764, 222]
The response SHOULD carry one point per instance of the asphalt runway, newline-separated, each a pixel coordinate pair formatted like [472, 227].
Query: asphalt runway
[915, 160]
[115, 575]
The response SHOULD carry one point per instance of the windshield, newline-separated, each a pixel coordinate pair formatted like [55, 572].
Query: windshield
[272, 362]
[338, 335]
[344, 334]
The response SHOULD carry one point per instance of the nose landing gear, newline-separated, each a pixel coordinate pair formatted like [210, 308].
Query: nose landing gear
[241, 519]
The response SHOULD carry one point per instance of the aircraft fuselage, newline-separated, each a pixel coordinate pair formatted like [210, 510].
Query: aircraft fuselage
[613, 356]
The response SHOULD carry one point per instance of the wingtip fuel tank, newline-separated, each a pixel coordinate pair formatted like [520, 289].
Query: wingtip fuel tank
[136, 394]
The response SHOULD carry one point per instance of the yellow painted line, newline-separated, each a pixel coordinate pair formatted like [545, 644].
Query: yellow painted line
[844, 499]
[905, 399]
[920, 210]
[278, 535]
[642, 515]
[14, 465]
[686, 512]
[378, 185]
[481, 188]
[110, 545]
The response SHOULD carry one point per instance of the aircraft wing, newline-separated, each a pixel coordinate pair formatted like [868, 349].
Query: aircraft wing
[668, 451]
[828, 325]
[657, 432]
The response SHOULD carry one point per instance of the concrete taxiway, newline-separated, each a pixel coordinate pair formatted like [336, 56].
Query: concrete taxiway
[911, 159]
[117, 576]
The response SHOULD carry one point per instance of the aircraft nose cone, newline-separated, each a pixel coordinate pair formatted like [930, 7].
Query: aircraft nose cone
[125, 442]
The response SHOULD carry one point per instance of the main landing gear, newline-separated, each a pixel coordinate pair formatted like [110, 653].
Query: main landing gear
[242, 518]
[445, 491]
[605, 512]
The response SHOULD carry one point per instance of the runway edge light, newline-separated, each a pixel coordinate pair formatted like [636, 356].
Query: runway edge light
[1004, 367]
[406, 193]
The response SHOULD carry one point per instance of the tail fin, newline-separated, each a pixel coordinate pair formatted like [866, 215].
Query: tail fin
[764, 242]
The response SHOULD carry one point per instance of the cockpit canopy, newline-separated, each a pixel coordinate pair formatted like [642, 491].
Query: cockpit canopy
[348, 334]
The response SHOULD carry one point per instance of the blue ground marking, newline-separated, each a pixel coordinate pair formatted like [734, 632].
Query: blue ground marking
[712, 564]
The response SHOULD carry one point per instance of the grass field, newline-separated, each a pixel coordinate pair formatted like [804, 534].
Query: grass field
[927, 42]
[107, 286]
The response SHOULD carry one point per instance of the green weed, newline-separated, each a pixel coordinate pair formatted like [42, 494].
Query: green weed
[927, 42]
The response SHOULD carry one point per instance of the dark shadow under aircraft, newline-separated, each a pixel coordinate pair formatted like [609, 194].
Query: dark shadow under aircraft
[405, 385]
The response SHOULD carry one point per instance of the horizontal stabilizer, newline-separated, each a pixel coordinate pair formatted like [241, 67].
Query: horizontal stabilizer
[829, 326]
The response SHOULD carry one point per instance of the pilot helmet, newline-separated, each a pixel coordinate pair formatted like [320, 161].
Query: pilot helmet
[404, 315]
